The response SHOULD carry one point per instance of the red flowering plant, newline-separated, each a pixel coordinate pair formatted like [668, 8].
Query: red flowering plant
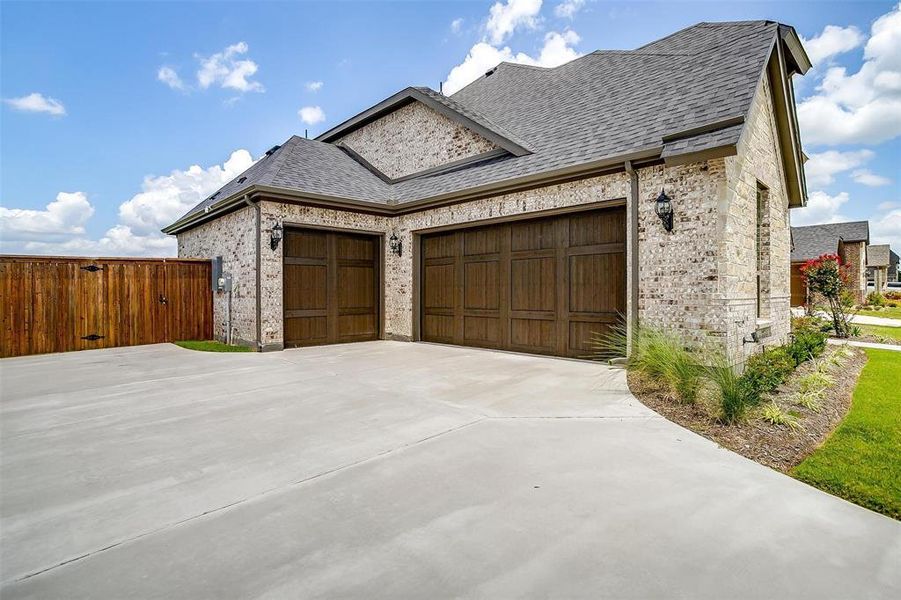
[827, 277]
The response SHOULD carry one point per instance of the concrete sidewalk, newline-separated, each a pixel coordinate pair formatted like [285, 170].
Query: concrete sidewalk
[394, 470]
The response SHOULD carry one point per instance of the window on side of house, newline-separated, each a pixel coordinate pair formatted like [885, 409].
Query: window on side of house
[762, 249]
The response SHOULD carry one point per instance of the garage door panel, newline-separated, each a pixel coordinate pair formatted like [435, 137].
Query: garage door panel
[481, 287]
[533, 334]
[438, 286]
[533, 235]
[356, 287]
[306, 244]
[306, 330]
[305, 287]
[440, 246]
[481, 241]
[585, 271]
[533, 284]
[438, 328]
[481, 330]
[541, 285]
[330, 291]
[597, 228]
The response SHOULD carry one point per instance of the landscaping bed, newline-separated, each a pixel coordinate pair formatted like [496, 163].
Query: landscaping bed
[779, 446]
[878, 334]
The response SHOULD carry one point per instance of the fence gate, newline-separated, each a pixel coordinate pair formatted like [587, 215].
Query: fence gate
[56, 304]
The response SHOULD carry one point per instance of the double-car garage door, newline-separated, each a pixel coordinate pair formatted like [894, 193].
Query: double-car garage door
[538, 285]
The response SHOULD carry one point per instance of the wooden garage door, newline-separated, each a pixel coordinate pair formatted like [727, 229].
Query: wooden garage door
[798, 287]
[330, 287]
[540, 285]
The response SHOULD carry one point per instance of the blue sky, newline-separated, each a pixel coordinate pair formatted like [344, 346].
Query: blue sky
[117, 117]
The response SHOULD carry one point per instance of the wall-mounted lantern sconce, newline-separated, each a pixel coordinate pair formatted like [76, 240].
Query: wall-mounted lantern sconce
[275, 235]
[396, 245]
[664, 209]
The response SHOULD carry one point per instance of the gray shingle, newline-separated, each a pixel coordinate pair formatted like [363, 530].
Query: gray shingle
[603, 105]
[812, 241]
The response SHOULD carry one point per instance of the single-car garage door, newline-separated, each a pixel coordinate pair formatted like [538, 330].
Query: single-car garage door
[539, 285]
[330, 287]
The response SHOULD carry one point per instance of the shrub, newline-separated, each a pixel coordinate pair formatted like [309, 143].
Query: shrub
[875, 299]
[810, 400]
[814, 382]
[806, 344]
[766, 370]
[775, 415]
[826, 276]
[892, 295]
[736, 392]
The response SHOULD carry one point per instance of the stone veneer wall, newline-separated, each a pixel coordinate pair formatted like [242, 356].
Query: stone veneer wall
[855, 254]
[758, 161]
[232, 237]
[414, 138]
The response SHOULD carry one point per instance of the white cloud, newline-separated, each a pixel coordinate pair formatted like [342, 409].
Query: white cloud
[38, 103]
[821, 208]
[886, 229]
[60, 228]
[169, 76]
[863, 107]
[311, 115]
[568, 8]
[65, 216]
[505, 18]
[831, 42]
[164, 198]
[868, 178]
[557, 49]
[314, 86]
[227, 70]
[456, 25]
[822, 167]
[888, 205]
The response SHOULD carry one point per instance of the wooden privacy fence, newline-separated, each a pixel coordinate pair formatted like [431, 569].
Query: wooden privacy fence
[56, 304]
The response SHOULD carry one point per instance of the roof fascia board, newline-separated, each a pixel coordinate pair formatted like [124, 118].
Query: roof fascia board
[496, 153]
[786, 128]
[795, 48]
[412, 94]
[701, 155]
[707, 128]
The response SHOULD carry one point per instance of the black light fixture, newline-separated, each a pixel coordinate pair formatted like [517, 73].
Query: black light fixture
[275, 235]
[395, 244]
[664, 209]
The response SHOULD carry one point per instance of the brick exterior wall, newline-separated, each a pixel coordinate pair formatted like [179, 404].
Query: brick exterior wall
[414, 138]
[699, 280]
[855, 254]
[232, 237]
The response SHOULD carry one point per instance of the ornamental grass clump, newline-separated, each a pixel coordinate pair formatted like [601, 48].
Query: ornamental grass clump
[736, 393]
[657, 355]
[772, 413]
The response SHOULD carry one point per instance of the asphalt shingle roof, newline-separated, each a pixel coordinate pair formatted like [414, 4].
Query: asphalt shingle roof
[604, 105]
[812, 241]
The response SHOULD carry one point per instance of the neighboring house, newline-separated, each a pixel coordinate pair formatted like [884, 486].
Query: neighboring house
[848, 240]
[519, 213]
[882, 266]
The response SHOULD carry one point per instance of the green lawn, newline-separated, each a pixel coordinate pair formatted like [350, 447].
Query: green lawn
[212, 346]
[891, 312]
[860, 460]
[888, 332]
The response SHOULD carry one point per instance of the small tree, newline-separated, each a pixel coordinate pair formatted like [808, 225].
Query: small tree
[829, 278]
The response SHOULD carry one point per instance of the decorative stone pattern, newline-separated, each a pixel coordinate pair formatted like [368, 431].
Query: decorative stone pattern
[232, 237]
[758, 163]
[414, 138]
[699, 280]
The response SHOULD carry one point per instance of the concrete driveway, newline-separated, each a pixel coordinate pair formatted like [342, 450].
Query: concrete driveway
[394, 470]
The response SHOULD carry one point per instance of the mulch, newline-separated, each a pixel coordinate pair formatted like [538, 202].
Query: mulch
[776, 446]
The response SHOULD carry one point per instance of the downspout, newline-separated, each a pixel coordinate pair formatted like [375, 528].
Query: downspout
[632, 235]
[256, 206]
